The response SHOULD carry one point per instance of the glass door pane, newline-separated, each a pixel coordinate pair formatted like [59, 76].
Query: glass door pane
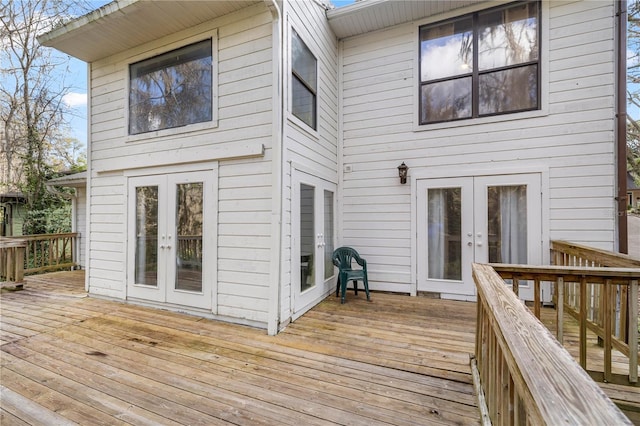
[445, 243]
[507, 224]
[189, 218]
[444, 230]
[328, 234]
[307, 239]
[146, 244]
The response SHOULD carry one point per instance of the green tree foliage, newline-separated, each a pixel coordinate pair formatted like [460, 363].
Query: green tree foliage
[34, 144]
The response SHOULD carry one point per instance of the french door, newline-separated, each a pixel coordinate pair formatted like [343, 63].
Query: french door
[169, 243]
[313, 242]
[495, 219]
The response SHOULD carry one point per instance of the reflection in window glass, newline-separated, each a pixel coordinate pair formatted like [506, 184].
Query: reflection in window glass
[303, 103]
[146, 263]
[508, 37]
[307, 238]
[328, 234]
[171, 90]
[446, 100]
[189, 217]
[446, 50]
[481, 64]
[304, 81]
[444, 220]
[509, 90]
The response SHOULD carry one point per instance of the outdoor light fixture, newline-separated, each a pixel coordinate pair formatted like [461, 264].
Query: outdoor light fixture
[402, 172]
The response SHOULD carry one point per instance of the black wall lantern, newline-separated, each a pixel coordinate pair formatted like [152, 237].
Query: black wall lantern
[402, 172]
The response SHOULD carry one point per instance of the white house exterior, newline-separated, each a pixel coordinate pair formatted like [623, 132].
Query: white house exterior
[294, 150]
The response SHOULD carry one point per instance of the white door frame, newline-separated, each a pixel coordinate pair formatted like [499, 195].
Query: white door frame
[303, 301]
[479, 172]
[462, 287]
[164, 292]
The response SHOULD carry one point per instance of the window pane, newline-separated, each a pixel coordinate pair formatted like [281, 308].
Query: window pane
[508, 37]
[507, 225]
[303, 103]
[146, 267]
[307, 237]
[328, 234]
[509, 90]
[303, 61]
[171, 90]
[446, 100]
[444, 233]
[446, 50]
[189, 216]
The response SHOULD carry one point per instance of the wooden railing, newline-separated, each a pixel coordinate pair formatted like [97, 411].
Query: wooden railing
[48, 252]
[620, 301]
[602, 300]
[570, 254]
[525, 376]
[12, 260]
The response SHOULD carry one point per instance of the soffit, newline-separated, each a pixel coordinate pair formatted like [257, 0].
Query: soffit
[74, 179]
[124, 24]
[369, 15]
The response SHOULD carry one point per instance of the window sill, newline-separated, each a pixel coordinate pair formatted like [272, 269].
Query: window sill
[480, 121]
[157, 134]
[303, 127]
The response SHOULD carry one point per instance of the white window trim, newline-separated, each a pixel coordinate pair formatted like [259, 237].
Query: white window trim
[213, 35]
[543, 63]
[291, 118]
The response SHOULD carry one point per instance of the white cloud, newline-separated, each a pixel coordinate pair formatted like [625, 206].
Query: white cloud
[75, 99]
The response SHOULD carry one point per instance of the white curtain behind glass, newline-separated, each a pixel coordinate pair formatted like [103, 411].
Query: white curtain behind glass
[436, 233]
[513, 228]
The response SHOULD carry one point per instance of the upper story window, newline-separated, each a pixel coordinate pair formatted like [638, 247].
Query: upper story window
[482, 64]
[171, 90]
[304, 82]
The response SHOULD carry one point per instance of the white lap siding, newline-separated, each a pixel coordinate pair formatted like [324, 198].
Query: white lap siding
[244, 114]
[313, 152]
[572, 137]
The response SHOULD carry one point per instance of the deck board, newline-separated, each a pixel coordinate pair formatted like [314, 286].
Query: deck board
[70, 358]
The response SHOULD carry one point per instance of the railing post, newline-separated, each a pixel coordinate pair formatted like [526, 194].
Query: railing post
[583, 322]
[560, 310]
[19, 267]
[633, 331]
[608, 330]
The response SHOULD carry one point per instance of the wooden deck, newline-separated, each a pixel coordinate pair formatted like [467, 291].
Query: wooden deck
[67, 358]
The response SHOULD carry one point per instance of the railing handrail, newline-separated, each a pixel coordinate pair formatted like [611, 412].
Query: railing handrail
[599, 273]
[598, 256]
[549, 387]
[10, 242]
[41, 237]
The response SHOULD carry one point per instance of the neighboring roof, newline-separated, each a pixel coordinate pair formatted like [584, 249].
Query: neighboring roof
[631, 184]
[12, 196]
[370, 15]
[73, 180]
[124, 24]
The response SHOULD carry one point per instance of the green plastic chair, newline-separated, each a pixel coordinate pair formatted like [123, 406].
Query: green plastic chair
[343, 258]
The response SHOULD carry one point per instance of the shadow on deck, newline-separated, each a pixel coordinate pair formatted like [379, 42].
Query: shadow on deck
[69, 358]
